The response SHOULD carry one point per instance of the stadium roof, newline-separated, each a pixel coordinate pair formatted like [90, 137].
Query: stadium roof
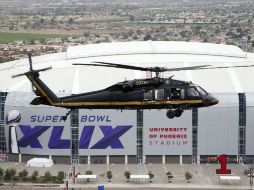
[64, 77]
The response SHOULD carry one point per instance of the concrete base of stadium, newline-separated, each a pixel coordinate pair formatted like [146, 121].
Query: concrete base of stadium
[132, 159]
[203, 175]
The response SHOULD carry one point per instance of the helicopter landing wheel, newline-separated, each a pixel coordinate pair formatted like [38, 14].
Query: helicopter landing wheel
[178, 112]
[170, 114]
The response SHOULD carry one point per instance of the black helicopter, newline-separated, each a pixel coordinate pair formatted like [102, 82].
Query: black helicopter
[149, 93]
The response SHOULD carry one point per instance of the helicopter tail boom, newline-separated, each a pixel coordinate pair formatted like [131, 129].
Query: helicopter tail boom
[46, 96]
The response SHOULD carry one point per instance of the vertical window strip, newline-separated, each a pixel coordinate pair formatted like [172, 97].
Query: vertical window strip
[2, 134]
[242, 125]
[242, 109]
[140, 122]
[194, 133]
[74, 136]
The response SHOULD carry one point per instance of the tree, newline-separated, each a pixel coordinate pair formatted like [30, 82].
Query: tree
[170, 176]
[132, 18]
[151, 176]
[88, 172]
[1, 172]
[60, 177]
[86, 34]
[127, 174]
[34, 176]
[13, 172]
[71, 21]
[147, 37]
[23, 175]
[47, 176]
[9, 174]
[42, 21]
[109, 175]
[188, 176]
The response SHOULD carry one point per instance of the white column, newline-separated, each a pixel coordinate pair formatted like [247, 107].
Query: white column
[20, 158]
[126, 159]
[181, 159]
[107, 159]
[50, 157]
[163, 159]
[88, 159]
[144, 159]
[198, 159]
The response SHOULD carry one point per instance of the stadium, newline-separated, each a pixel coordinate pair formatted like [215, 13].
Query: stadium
[198, 136]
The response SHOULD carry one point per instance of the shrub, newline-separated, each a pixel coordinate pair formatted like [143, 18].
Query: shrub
[13, 172]
[47, 176]
[34, 176]
[1, 172]
[55, 179]
[23, 175]
[169, 174]
[151, 175]
[9, 174]
[60, 177]
[127, 174]
[89, 172]
[188, 175]
[109, 175]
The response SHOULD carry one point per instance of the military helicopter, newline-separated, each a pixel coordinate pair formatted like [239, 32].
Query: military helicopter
[149, 93]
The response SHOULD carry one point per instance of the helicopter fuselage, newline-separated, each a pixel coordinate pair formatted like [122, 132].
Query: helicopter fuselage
[152, 93]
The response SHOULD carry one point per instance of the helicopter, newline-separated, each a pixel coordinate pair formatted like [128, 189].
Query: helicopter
[148, 93]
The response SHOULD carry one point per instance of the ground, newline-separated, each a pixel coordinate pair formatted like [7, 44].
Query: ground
[204, 176]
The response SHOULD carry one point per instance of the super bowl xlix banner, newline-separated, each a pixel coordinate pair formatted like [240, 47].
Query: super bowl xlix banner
[107, 132]
[42, 131]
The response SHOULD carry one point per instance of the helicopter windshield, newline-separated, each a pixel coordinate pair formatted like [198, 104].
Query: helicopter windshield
[201, 90]
[192, 92]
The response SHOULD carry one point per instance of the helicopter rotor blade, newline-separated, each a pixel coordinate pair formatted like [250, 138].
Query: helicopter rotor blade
[158, 69]
[122, 66]
[187, 68]
[99, 65]
[30, 61]
[17, 75]
[225, 67]
[152, 69]
[39, 70]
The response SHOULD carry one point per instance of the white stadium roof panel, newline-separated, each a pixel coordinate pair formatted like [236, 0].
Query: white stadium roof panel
[153, 47]
[76, 79]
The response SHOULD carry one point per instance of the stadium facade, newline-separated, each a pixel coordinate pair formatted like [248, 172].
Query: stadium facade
[133, 136]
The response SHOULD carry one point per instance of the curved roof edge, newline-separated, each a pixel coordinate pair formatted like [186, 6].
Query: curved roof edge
[153, 47]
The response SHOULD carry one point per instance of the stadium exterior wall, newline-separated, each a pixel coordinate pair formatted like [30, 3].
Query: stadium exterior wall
[100, 136]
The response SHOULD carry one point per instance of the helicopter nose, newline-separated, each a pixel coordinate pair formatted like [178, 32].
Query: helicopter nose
[214, 101]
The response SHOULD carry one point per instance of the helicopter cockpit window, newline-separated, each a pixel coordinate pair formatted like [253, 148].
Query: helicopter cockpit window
[201, 91]
[159, 94]
[148, 95]
[175, 93]
[192, 92]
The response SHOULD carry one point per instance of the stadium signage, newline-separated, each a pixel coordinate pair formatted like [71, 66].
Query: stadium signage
[111, 137]
[168, 136]
[57, 118]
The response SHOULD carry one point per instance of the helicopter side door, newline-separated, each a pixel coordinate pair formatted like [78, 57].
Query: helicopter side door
[159, 94]
[176, 94]
[154, 94]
